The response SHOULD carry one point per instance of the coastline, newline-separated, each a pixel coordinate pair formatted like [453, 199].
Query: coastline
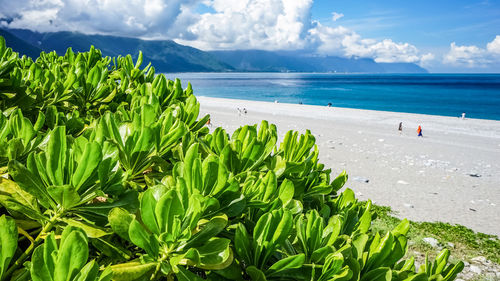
[449, 175]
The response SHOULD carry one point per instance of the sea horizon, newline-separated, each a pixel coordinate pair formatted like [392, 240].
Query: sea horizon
[442, 94]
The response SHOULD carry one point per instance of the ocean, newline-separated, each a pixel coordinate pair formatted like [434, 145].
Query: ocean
[478, 95]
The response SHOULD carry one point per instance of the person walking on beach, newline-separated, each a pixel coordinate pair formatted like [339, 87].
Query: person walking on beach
[400, 129]
[419, 131]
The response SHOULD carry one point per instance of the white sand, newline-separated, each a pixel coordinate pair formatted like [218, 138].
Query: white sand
[422, 179]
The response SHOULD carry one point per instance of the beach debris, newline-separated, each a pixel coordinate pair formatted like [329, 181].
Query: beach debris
[407, 205]
[450, 245]
[474, 210]
[474, 175]
[402, 182]
[431, 241]
[361, 179]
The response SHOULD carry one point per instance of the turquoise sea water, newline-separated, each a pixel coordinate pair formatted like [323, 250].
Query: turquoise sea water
[478, 95]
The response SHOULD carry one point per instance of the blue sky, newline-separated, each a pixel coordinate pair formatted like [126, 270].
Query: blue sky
[429, 25]
[440, 35]
[425, 23]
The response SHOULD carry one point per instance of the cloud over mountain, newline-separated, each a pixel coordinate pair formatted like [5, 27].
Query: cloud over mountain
[227, 24]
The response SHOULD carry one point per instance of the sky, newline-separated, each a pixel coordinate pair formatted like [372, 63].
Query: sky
[439, 35]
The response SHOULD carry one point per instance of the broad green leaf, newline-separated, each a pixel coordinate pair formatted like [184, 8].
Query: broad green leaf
[29, 182]
[56, 156]
[208, 230]
[242, 244]
[186, 275]
[88, 273]
[140, 237]
[8, 242]
[378, 274]
[120, 220]
[65, 195]
[168, 208]
[148, 206]
[72, 255]
[92, 231]
[291, 262]
[132, 271]
[215, 254]
[256, 274]
[87, 164]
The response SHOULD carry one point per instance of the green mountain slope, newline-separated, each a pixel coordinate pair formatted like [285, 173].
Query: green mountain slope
[19, 45]
[168, 56]
[165, 55]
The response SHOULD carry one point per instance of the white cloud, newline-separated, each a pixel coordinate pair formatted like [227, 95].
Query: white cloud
[342, 41]
[473, 56]
[138, 18]
[242, 24]
[494, 46]
[337, 16]
[253, 24]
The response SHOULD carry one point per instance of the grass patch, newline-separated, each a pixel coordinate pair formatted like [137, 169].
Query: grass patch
[467, 244]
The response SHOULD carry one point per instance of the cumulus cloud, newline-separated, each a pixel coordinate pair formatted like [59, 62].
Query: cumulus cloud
[473, 56]
[138, 18]
[337, 16]
[229, 24]
[343, 41]
[253, 24]
[494, 46]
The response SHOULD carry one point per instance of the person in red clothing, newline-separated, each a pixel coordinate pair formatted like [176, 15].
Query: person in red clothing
[419, 131]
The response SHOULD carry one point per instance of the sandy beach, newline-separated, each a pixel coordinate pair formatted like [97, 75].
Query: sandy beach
[452, 174]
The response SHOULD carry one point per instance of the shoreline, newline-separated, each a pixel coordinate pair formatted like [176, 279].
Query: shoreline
[449, 175]
[472, 126]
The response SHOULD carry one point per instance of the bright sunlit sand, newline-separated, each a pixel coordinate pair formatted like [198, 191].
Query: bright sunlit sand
[449, 175]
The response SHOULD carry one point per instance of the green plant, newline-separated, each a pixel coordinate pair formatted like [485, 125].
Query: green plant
[104, 160]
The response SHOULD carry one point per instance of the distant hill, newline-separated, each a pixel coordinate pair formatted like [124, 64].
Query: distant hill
[18, 45]
[165, 55]
[168, 56]
[256, 60]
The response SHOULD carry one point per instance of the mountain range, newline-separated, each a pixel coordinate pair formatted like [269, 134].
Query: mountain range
[169, 56]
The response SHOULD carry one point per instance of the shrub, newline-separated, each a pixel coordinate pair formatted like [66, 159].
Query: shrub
[103, 160]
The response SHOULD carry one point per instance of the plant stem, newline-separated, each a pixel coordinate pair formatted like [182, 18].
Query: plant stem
[32, 246]
[158, 265]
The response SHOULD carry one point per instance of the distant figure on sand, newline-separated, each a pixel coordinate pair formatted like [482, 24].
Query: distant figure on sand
[209, 124]
[329, 104]
[463, 115]
[245, 111]
[419, 131]
[239, 111]
[400, 129]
